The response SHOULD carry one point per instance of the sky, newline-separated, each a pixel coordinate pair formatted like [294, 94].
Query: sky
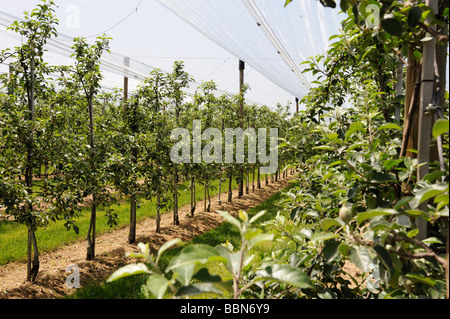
[147, 31]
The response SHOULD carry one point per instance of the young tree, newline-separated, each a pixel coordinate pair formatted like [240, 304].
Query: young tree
[25, 84]
[87, 75]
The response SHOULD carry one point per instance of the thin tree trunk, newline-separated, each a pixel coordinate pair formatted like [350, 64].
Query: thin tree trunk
[176, 220]
[32, 265]
[246, 183]
[132, 232]
[208, 208]
[90, 253]
[230, 194]
[253, 180]
[259, 178]
[204, 197]
[193, 202]
[220, 189]
[158, 213]
[410, 131]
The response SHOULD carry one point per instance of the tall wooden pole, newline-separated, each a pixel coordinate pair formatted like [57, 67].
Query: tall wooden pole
[241, 115]
[296, 105]
[425, 116]
[126, 62]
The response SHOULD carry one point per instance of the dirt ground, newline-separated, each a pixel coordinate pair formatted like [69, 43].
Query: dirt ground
[112, 247]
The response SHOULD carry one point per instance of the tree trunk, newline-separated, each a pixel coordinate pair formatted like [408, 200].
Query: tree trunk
[158, 213]
[208, 208]
[132, 232]
[230, 194]
[259, 178]
[246, 182]
[90, 253]
[176, 220]
[32, 265]
[193, 202]
[220, 189]
[253, 180]
[410, 131]
[204, 199]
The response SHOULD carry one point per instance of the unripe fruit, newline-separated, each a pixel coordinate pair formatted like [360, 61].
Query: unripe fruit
[345, 213]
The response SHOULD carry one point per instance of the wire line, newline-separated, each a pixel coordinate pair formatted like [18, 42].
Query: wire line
[115, 25]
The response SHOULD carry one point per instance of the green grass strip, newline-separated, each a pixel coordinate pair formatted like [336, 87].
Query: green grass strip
[130, 287]
[13, 236]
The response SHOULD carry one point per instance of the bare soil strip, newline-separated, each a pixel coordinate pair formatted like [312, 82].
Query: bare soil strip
[112, 247]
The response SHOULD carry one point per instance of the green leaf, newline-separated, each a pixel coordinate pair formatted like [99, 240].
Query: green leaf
[258, 215]
[326, 223]
[383, 177]
[374, 213]
[344, 5]
[354, 127]
[204, 276]
[392, 26]
[259, 238]
[402, 202]
[199, 253]
[287, 274]
[323, 236]
[412, 233]
[229, 218]
[129, 270]
[331, 250]
[157, 284]
[362, 258]
[185, 273]
[388, 164]
[432, 240]
[199, 288]
[323, 147]
[384, 257]
[427, 193]
[414, 16]
[416, 277]
[166, 246]
[440, 127]
[389, 126]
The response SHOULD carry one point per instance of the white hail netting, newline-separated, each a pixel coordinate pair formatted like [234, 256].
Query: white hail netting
[271, 38]
[113, 65]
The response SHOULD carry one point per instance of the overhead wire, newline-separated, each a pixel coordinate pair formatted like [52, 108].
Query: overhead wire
[116, 24]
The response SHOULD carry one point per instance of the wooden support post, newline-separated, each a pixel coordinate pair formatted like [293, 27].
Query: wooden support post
[126, 62]
[425, 116]
[296, 105]
[241, 115]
